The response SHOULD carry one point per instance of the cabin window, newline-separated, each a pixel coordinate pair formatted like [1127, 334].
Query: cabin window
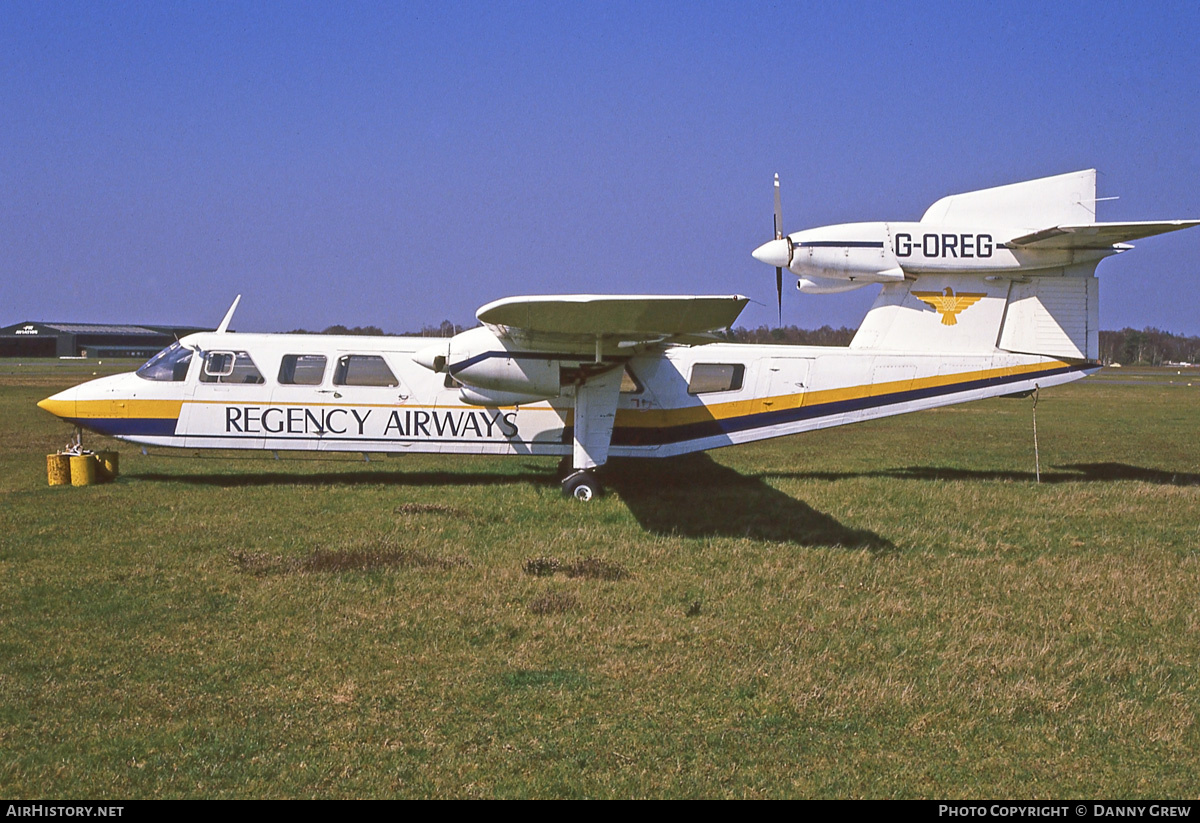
[714, 377]
[169, 365]
[629, 383]
[230, 367]
[363, 370]
[302, 369]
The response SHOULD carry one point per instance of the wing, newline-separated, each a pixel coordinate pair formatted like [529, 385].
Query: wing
[1097, 236]
[630, 318]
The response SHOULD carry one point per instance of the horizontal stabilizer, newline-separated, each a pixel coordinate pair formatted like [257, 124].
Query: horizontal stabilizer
[1048, 201]
[625, 316]
[1098, 236]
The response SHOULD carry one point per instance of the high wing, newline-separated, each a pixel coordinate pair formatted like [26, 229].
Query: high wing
[535, 348]
[529, 324]
[1097, 236]
[631, 317]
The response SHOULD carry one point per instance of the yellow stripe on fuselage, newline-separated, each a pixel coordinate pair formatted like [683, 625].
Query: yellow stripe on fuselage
[664, 418]
[114, 409]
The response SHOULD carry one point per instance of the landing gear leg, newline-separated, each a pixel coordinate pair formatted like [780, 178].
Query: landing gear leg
[582, 485]
[564, 468]
[75, 445]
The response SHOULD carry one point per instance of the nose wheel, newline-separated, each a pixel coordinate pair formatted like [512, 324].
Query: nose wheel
[582, 485]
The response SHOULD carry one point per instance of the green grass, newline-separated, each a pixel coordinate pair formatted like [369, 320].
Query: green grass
[890, 609]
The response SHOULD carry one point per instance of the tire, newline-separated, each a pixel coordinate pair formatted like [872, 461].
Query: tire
[582, 486]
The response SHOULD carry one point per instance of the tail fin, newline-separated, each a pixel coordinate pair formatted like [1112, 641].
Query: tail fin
[1054, 313]
[1029, 310]
[1039, 295]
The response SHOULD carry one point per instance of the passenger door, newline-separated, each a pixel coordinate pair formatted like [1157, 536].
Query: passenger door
[303, 395]
[226, 402]
[365, 391]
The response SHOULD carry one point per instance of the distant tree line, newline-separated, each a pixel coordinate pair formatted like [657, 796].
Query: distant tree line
[1128, 346]
[445, 329]
[1149, 346]
[791, 335]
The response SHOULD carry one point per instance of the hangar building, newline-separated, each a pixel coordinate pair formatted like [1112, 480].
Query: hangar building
[87, 339]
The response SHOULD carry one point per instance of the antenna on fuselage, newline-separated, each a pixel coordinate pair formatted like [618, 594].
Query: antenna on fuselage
[221, 329]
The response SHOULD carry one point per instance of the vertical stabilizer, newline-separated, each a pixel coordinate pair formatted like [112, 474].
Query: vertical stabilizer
[952, 312]
[1053, 313]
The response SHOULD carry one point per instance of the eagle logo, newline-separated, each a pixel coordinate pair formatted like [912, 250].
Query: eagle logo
[949, 304]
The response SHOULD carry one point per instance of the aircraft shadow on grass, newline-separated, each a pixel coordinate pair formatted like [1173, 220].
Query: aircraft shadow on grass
[1067, 473]
[347, 478]
[689, 496]
[694, 496]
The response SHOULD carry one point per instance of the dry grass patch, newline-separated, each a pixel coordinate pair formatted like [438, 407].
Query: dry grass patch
[591, 568]
[349, 560]
[541, 566]
[429, 508]
[554, 602]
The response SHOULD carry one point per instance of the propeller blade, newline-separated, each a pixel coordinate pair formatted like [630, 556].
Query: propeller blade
[779, 291]
[779, 236]
[778, 212]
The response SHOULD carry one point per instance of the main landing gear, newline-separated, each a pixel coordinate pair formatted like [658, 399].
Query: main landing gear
[582, 485]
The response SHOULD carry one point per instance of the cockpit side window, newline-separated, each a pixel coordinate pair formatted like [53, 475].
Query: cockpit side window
[229, 367]
[169, 365]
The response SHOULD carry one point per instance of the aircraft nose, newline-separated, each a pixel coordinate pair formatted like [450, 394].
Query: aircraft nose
[773, 253]
[61, 404]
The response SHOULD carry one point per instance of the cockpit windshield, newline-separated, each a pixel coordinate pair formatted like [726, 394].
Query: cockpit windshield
[169, 365]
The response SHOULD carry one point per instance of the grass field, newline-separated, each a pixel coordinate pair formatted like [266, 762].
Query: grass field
[890, 609]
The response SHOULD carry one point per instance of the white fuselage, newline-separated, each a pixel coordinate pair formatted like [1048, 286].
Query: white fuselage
[677, 399]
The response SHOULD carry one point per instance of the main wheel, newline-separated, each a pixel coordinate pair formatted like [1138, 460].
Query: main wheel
[582, 485]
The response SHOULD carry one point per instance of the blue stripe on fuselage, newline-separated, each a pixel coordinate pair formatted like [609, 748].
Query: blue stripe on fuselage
[657, 436]
[127, 426]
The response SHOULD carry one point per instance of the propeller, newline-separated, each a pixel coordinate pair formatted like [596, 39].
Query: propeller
[779, 236]
[777, 252]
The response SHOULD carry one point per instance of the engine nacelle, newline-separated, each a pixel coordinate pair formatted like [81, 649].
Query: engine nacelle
[856, 252]
[823, 285]
[486, 397]
[483, 362]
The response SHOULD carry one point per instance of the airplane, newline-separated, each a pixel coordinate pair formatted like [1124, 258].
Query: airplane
[991, 293]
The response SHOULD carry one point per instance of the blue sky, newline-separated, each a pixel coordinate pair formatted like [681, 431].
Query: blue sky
[396, 164]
